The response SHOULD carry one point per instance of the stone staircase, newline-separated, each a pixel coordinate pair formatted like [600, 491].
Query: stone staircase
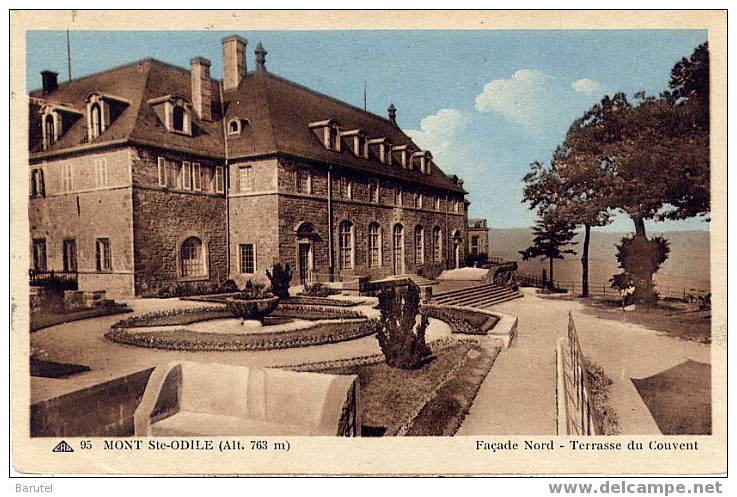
[481, 296]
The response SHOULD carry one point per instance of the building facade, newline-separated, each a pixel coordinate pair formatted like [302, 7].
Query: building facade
[149, 176]
[478, 237]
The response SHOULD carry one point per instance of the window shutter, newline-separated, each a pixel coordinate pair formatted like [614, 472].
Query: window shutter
[196, 176]
[187, 175]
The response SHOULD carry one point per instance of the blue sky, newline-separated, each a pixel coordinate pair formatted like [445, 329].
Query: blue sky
[486, 103]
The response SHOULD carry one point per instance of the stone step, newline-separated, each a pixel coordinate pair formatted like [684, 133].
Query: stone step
[464, 291]
[486, 290]
[480, 299]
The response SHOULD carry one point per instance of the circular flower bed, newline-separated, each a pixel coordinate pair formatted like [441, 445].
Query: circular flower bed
[186, 340]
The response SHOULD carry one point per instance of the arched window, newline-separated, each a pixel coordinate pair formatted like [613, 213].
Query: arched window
[95, 120]
[49, 130]
[234, 127]
[419, 245]
[345, 244]
[374, 245]
[192, 257]
[178, 118]
[437, 244]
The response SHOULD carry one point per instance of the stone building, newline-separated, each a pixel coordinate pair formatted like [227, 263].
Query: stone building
[478, 237]
[148, 176]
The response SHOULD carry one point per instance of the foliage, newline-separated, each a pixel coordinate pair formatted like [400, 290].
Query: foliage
[465, 322]
[639, 258]
[319, 290]
[606, 420]
[551, 235]
[173, 317]
[228, 286]
[280, 278]
[253, 291]
[403, 345]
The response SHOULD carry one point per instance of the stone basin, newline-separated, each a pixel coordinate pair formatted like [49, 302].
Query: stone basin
[252, 309]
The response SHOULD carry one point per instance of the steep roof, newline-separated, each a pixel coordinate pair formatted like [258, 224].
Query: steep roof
[278, 114]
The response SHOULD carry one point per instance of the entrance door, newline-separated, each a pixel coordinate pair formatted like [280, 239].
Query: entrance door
[457, 255]
[398, 249]
[305, 262]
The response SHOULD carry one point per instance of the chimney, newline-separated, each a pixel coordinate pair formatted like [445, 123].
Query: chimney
[392, 113]
[48, 81]
[234, 61]
[201, 88]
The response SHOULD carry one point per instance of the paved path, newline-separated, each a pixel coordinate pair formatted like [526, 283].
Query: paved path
[83, 342]
[518, 396]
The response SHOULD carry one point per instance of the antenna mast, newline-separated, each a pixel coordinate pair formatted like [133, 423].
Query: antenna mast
[365, 107]
[69, 58]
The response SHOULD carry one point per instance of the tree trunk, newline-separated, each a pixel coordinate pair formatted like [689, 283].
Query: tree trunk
[639, 226]
[550, 280]
[644, 291]
[585, 262]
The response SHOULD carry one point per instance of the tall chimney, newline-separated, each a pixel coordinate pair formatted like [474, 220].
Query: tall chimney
[201, 88]
[392, 112]
[234, 61]
[48, 81]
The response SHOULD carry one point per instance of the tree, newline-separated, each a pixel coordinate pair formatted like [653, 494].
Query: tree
[402, 343]
[551, 235]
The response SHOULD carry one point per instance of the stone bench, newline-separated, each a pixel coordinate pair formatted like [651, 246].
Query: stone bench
[196, 399]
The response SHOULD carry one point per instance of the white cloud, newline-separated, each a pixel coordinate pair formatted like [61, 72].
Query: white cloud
[586, 86]
[441, 133]
[526, 98]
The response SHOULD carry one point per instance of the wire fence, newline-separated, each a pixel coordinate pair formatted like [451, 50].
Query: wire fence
[599, 289]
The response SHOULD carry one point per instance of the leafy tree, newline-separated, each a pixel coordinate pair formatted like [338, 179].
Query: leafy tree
[280, 277]
[551, 235]
[638, 256]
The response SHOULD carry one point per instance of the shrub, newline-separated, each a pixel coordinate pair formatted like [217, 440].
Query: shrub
[228, 286]
[319, 290]
[54, 282]
[280, 278]
[403, 346]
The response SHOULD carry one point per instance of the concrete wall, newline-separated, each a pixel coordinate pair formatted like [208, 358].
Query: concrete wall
[164, 218]
[85, 213]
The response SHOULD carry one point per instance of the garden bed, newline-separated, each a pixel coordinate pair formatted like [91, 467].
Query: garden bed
[49, 369]
[462, 321]
[40, 319]
[187, 340]
[391, 398]
[311, 312]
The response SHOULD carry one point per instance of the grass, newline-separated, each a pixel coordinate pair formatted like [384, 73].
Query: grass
[666, 318]
[44, 319]
[50, 369]
[462, 321]
[187, 340]
[392, 398]
[606, 420]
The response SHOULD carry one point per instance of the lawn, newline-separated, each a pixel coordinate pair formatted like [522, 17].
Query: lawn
[414, 402]
[41, 319]
[50, 369]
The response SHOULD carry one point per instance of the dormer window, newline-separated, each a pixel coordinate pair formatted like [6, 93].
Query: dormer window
[403, 151]
[51, 126]
[381, 148]
[328, 132]
[421, 161]
[98, 115]
[357, 142]
[176, 113]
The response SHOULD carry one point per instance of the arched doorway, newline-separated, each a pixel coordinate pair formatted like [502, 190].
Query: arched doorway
[457, 250]
[306, 237]
[398, 249]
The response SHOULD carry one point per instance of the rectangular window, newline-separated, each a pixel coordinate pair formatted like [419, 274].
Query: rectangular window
[397, 195]
[248, 258]
[374, 191]
[219, 179]
[37, 183]
[420, 201]
[66, 177]
[103, 261]
[187, 175]
[437, 203]
[70, 256]
[246, 178]
[205, 178]
[304, 181]
[100, 172]
[174, 174]
[162, 171]
[39, 254]
[196, 176]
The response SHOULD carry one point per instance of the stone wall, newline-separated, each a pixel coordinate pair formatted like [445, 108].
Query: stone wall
[85, 213]
[164, 218]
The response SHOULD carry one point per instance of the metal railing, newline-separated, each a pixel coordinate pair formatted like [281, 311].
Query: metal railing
[576, 414]
[36, 276]
[605, 290]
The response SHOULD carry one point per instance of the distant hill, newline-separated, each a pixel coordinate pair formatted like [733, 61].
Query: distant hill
[688, 263]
